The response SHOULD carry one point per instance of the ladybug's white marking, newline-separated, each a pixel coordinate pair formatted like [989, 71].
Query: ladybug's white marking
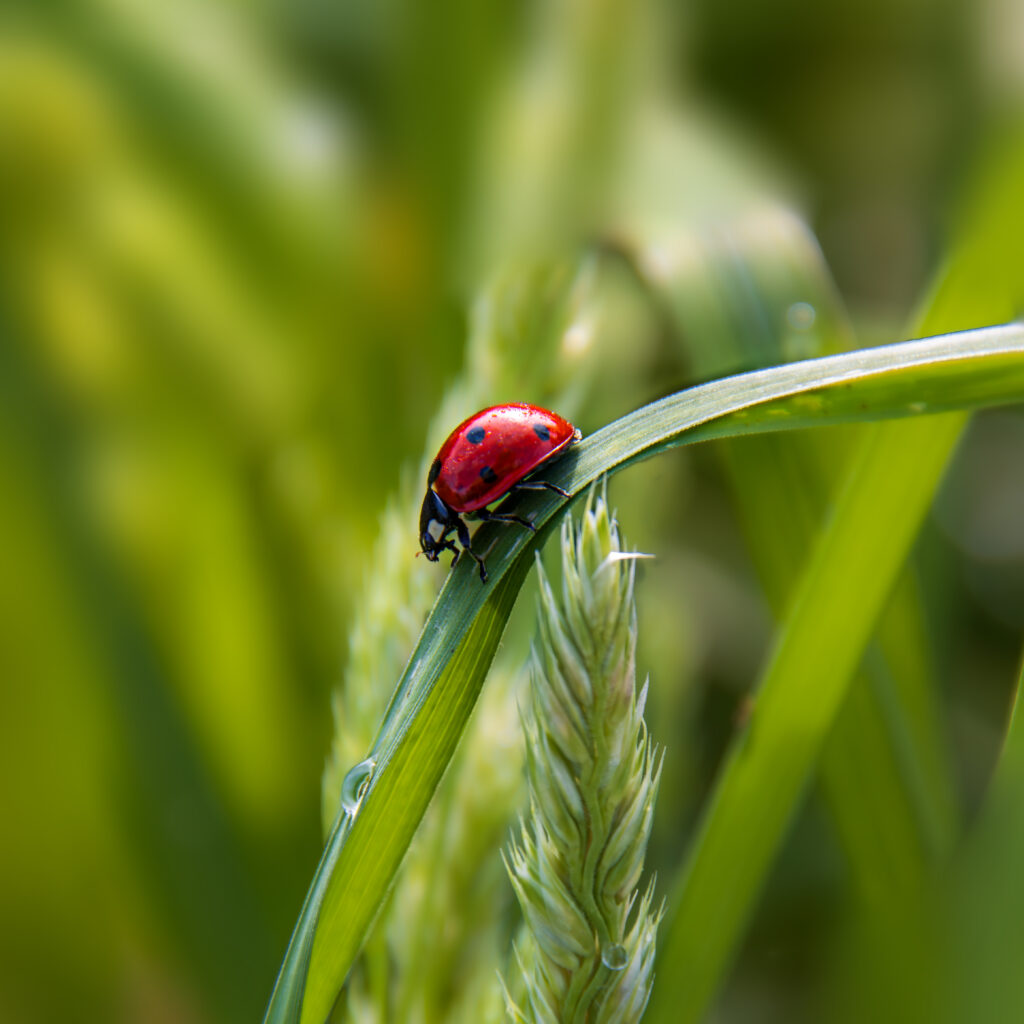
[435, 529]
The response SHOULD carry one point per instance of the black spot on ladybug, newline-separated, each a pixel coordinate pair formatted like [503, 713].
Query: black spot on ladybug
[488, 475]
[435, 472]
[542, 431]
[476, 435]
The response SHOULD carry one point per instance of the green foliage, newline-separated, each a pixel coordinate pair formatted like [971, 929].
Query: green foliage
[256, 260]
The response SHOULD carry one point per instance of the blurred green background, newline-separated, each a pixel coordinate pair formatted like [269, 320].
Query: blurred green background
[240, 246]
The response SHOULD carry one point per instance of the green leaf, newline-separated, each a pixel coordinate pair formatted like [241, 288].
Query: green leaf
[437, 691]
[851, 572]
[882, 773]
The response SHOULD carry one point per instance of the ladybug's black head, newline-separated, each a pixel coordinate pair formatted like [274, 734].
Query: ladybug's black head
[436, 522]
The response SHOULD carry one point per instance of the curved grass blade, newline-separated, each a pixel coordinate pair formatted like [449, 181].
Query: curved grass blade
[437, 691]
[405, 791]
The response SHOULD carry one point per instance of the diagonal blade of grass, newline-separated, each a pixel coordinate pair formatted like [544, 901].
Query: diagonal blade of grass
[890, 486]
[406, 790]
[974, 368]
[891, 815]
[430, 742]
[981, 282]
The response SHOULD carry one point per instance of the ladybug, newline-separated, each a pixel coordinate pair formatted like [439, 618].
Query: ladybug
[486, 457]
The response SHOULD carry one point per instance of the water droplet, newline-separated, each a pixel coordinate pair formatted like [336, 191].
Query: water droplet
[801, 316]
[355, 785]
[614, 957]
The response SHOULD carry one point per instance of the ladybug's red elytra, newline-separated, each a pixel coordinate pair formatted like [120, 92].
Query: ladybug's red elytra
[486, 457]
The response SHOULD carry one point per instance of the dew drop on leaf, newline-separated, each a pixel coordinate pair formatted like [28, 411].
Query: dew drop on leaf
[614, 957]
[355, 784]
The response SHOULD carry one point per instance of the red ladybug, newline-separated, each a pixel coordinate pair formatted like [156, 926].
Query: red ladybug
[485, 458]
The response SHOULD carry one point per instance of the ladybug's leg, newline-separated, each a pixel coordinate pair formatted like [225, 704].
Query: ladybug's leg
[541, 485]
[447, 544]
[463, 532]
[504, 517]
[479, 561]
